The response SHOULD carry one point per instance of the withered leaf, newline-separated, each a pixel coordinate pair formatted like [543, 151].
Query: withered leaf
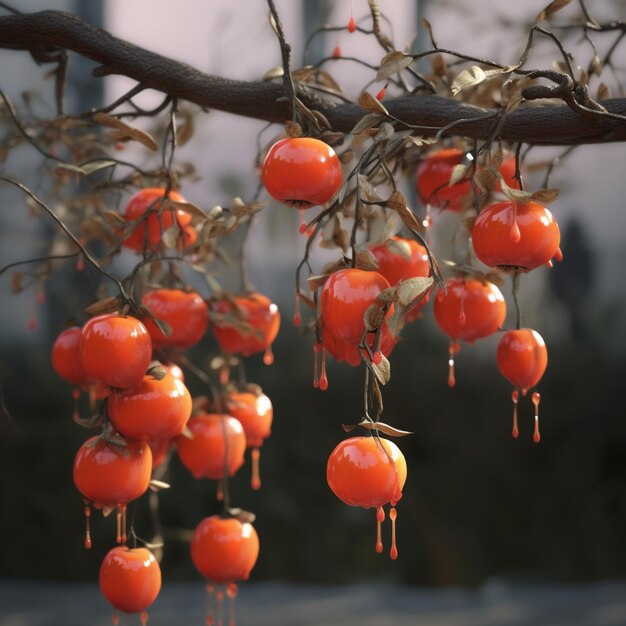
[392, 431]
[551, 9]
[171, 237]
[459, 172]
[275, 72]
[188, 207]
[124, 131]
[371, 104]
[367, 121]
[107, 305]
[545, 196]
[365, 260]
[397, 202]
[373, 317]
[412, 288]
[392, 63]
[382, 370]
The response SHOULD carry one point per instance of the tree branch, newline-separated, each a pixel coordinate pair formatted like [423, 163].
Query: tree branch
[541, 124]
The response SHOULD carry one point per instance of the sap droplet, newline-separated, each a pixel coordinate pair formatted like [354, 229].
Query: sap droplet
[453, 349]
[210, 589]
[323, 377]
[558, 255]
[515, 233]
[378, 357]
[515, 398]
[255, 481]
[231, 592]
[268, 356]
[116, 617]
[380, 518]
[144, 618]
[351, 24]
[381, 94]
[536, 398]
[41, 296]
[32, 324]
[393, 553]
[336, 52]
[219, 597]
[87, 527]
[80, 263]
[317, 346]
[302, 227]
[219, 495]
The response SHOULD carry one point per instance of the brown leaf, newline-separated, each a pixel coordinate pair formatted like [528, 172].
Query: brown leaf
[371, 104]
[440, 67]
[293, 129]
[17, 280]
[392, 63]
[604, 92]
[188, 207]
[365, 260]
[124, 131]
[459, 172]
[429, 30]
[367, 121]
[385, 428]
[373, 317]
[303, 74]
[382, 370]
[107, 305]
[545, 196]
[551, 9]
[171, 237]
[275, 72]
[397, 203]
[387, 295]
[412, 288]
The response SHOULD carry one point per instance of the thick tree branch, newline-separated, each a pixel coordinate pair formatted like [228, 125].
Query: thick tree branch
[48, 31]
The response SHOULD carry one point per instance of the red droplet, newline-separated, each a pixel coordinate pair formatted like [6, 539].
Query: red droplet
[351, 24]
[515, 398]
[317, 346]
[32, 324]
[559, 255]
[116, 617]
[336, 52]
[255, 481]
[210, 589]
[41, 296]
[452, 351]
[381, 94]
[302, 227]
[380, 518]
[378, 357]
[80, 263]
[119, 145]
[323, 378]
[144, 618]
[87, 530]
[219, 597]
[268, 356]
[536, 398]
[393, 553]
[219, 495]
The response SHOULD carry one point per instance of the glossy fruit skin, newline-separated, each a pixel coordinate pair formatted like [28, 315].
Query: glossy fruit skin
[255, 413]
[258, 312]
[482, 304]
[345, 297]
[205, 454]
[366, 471]
[224, 550]
[130, 579]
[154, 409]
[522, 357]
[175, 371]
[350, 353]
[186, 313]
[108, 477]
[400, 259]
[495, 243]
[433, 176]
[301, 172]
[151, 198]
[65, 359]
[115, 350]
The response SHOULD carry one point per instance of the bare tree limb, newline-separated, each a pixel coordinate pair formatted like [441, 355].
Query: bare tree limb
[540, 124]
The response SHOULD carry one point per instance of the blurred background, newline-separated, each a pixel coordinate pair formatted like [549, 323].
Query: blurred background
[478, 506]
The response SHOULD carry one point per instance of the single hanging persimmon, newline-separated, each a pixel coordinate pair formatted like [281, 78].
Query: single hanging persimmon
[246, 325]
[65, 359]
[154, 409]
[346, 295]
[369, 472]
[255, 413]
[400, 259]
[110, 475]
[522, 358]
[130, 579]
[301, 172]
[224, 550]
[516, 237]
[115, 350]
[186, 313]
[470, 309]
[154, 214]
[216, 447]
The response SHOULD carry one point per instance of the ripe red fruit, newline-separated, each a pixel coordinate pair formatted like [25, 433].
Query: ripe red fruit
[514, 236]
[154, 409]
[223, 549]
[216, 448]
[246, 325]
[351, 353]
[522, 359]
[186, 313]
[368, 472]
[255, 413]
[111, 476]
[301, 172]
[400, 259]
[469, 310]
[159, 448]
[345, 297]
[65, 359]
[130, 579]
[115, 350]
[162, 216]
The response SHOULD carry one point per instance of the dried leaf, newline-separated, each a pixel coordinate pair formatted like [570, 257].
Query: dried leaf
[171, 237]
[384, 428]
[303, 74]
[382, 370]
[293, 129]
[371, 104]
[440, 67]
[107, 305]
[551, 9]
[429, 30]
[245, 517]
[17, 280]
[275, 72]
[387, 295]
[365, 260]
[604, 92]
[545, 196]
[348, 427]
[374, 316]
[397, 203]
[411, 289]
[95, 166]
[123, 131]
[315, 282]
[186, 130]
[367, 121]
[325, 79]
[157, 485]
[467, 78]
[485, 179]
[459, 172]
[392, 63]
